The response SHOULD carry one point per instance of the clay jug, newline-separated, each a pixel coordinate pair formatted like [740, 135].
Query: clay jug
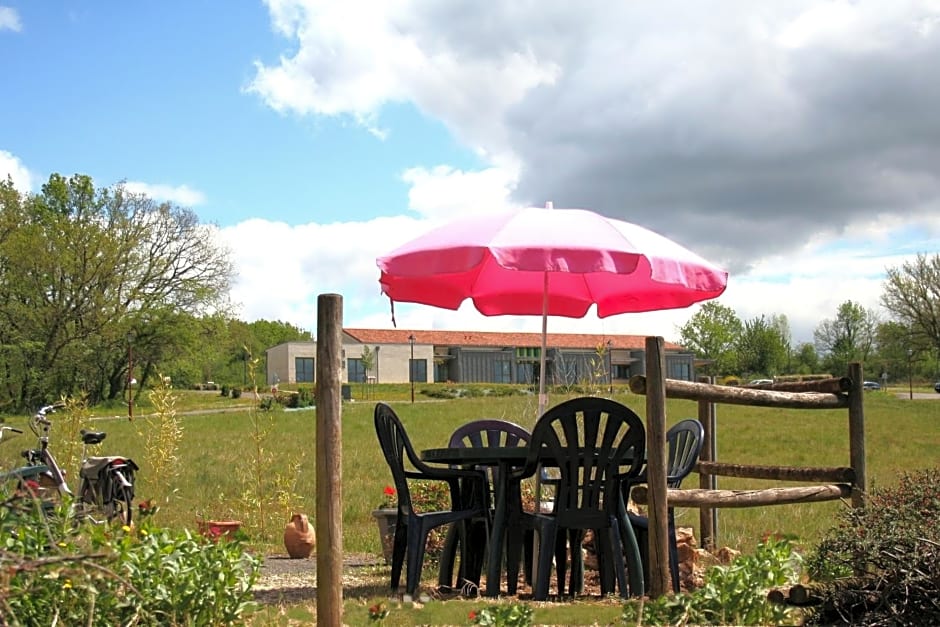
[299, 537]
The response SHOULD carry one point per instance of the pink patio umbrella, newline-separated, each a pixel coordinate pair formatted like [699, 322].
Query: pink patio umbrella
[553, 262]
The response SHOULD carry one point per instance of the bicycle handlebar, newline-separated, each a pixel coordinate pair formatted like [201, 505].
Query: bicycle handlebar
[40, 417]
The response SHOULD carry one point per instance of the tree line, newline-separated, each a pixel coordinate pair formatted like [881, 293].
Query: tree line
[99, 286]
[96, 280]
[902, 342]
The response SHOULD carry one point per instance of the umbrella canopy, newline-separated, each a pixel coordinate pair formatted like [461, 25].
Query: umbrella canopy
[553, 262]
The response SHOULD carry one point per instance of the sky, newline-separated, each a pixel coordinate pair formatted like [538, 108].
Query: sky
[794, 143]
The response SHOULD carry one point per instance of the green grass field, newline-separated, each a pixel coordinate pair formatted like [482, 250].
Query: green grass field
[214, 457]
[217, 446]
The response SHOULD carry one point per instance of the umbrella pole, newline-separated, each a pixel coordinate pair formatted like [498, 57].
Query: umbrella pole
[543, 396]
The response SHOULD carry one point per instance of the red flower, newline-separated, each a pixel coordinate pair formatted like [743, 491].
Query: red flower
[472, 615]
[389, 491]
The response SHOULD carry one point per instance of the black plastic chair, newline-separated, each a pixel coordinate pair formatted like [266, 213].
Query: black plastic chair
[479, 434]
[412, 528]
[596, 444]
[684, 441]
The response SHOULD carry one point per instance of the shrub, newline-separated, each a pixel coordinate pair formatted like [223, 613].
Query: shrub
[236, 392]
[305, 397]
[731, 595]
[54, 570]
[224, 391]
[893, 545]
[503, 615]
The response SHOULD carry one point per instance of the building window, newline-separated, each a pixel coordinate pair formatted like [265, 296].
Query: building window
[525, 372]
[303, 369]
[418, 370]
[621, 371]
[441, 372]
[502, 371]
[679, 369]
[355, 371]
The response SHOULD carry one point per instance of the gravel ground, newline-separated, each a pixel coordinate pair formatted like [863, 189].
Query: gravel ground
[286, 580]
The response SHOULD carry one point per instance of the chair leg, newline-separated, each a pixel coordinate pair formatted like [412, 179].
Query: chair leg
[417, 537]
[673, 552]
[544, 569]
[445, 577]
[575, 542]
[515, 549]
[618, 565]
[399, 544]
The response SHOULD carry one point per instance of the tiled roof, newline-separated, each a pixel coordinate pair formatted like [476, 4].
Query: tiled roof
[488, 338]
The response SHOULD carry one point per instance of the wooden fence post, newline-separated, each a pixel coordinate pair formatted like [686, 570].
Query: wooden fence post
[660, 581]
[708, 517]
[857, 434]
[329, 524]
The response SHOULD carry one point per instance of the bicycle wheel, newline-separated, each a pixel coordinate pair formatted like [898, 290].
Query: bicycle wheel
[119, 508]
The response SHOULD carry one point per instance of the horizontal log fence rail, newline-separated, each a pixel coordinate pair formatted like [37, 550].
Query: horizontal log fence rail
[835, 482]
[748, 498]
[778, 473]
[756, 396]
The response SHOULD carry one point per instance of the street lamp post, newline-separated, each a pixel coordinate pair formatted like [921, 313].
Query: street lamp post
[910, 373]
[130, 375]
[610, 369]
[411, 366]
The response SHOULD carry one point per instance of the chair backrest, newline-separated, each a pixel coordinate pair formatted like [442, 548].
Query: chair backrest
[684, 440]
[489, 432]
[396, 447]
[596, 444]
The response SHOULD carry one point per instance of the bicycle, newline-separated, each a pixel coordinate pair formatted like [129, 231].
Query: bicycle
[106, 483]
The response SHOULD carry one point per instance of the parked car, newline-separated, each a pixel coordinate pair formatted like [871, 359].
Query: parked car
[936, 387]
[871, 385]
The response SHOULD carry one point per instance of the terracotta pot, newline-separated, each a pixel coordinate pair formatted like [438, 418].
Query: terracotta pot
[386, 520]
[215, 529]
[299, 537]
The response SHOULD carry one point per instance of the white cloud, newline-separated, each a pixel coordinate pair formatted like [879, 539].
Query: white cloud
[179, 194]
[354, 57]
[11, 166]
[444, 192]
[743, 130]
[10, 19]
[794, 143]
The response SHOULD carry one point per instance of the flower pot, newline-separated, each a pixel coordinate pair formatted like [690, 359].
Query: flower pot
[299, 537]
[215, 529]
[386, 520]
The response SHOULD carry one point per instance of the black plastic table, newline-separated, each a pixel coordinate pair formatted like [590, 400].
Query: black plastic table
[505, 458]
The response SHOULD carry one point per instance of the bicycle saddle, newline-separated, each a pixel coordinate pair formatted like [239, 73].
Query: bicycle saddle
[93, 437]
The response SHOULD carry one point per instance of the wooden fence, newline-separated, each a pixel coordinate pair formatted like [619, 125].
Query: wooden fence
[833, 483]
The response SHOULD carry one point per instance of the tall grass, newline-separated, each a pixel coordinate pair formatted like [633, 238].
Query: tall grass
[900, 434]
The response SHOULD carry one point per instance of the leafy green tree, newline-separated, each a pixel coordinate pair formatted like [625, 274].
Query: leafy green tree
[711, 334]
[805, 359]
[83, 269]
[848, 337]
[912, 296]
[761, 347]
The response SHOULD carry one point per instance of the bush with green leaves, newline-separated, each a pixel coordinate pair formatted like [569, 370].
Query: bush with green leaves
[503, 615]
[54, 570]
[731, 595]
[887, 556]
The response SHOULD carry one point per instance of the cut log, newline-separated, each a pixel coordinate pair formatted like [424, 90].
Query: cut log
[780, 473]
[693, 391]
[748, 498]
[836, 385]
[777, 596]
[815, 592]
